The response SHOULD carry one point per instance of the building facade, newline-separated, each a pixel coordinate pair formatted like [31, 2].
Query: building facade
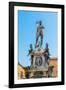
[21, 71]
[54, 62]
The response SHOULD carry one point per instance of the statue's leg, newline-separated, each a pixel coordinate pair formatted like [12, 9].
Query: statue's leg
[41, 39]
[36, 39]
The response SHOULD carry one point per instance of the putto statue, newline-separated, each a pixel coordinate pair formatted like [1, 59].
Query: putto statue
[39, 34]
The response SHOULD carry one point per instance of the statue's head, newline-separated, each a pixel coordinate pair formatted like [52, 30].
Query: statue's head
[30, 45]
[46, 45]
[40, 22]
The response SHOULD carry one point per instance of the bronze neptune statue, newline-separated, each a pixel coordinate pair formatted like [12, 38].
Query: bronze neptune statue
[39, 34]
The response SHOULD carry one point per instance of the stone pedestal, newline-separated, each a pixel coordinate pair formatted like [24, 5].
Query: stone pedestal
[38, 73]
[39, 66]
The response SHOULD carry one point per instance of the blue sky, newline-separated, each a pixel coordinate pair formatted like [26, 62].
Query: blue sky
[27, 32]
